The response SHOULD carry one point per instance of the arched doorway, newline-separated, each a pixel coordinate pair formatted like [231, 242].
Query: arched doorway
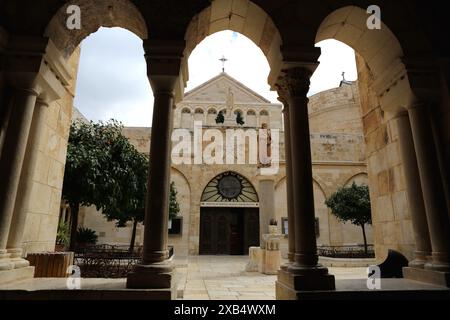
[229, 216]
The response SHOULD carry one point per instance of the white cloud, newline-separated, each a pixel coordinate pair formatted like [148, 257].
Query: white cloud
[112, 80]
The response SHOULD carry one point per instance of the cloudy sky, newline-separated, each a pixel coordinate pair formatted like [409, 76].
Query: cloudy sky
[112, 80]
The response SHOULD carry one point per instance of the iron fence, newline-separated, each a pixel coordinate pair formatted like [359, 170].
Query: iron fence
[353, 251]
[107, 261]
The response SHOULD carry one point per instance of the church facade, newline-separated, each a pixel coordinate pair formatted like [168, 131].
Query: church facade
[226, 206]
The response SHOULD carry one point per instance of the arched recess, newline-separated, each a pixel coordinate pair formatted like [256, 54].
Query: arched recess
[244, 17]
[105, 13]
[380, 49]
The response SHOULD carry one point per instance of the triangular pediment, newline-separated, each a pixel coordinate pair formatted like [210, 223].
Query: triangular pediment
[216, 90]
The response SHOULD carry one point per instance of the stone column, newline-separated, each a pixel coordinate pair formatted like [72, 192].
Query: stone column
[266, 206]
[289, 185]
[23, 103]
[304, 273]
[414, 192]
[156, 271]
[25, 187]
[432, 188]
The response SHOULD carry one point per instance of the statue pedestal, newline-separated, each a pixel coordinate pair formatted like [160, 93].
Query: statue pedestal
[272, 254]
[267, 260]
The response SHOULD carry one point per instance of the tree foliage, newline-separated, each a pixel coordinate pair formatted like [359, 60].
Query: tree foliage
[174, 207]
[220, 118]
[103, 169]
[351, 204]
[240, 119]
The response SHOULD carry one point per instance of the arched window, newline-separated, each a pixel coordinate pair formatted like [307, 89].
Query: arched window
[264, 113]
[199, 115]
[186, 118]
[229, 187]
[211, 117]
[251, 118]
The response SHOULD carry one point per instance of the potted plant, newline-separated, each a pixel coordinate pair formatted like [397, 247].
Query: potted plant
[62, 236]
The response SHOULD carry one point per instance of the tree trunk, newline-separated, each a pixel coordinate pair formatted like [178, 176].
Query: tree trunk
[365, 239]
[133, 236]
[74, 209]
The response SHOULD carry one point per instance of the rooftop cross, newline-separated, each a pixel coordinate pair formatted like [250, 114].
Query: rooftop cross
[224, 60]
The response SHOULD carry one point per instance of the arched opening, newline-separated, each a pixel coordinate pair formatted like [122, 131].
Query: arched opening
[229, 216]
[381, 90]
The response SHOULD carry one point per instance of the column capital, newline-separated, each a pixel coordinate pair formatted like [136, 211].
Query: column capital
[294, 83]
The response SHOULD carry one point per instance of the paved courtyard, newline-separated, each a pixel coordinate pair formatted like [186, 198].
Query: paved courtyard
[225, 278]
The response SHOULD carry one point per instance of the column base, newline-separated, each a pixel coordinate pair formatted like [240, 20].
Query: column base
[13, 275]
[17, 260]
[438, 278]
[157, 276]
[289, 286]
[5, 261]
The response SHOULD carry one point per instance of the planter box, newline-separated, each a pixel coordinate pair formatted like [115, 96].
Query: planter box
[51, 264]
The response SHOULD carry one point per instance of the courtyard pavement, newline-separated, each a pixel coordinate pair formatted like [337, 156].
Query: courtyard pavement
[225, 278]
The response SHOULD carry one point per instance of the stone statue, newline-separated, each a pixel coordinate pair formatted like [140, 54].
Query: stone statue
[267, 160]
[230, 102]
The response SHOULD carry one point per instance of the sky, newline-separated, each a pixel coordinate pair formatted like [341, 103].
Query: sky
[112, 81]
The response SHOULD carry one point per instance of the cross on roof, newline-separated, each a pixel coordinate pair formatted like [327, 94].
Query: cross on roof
[224, 60]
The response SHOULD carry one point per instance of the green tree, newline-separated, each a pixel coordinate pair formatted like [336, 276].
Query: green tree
[239, 119]
[220, 118]
[97, 170]
[352, 204]
[131, 202]
[174, 207]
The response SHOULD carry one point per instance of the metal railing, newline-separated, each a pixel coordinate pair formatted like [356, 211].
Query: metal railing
[108, 261]
[351, 251]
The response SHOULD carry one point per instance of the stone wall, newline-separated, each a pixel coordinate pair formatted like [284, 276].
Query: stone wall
[45, 200]
[390, 213]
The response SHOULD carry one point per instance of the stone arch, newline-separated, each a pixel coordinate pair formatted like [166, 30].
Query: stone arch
[186, 111]
[348, 25]
[244, 17]
[105, 13]
[358, 177]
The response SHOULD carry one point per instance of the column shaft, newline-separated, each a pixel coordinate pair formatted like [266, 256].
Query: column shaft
[289, 185]
[414, 192]
[157, 213]
[305, 235]
[25, 186]
[432, 188]
[13, 153]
